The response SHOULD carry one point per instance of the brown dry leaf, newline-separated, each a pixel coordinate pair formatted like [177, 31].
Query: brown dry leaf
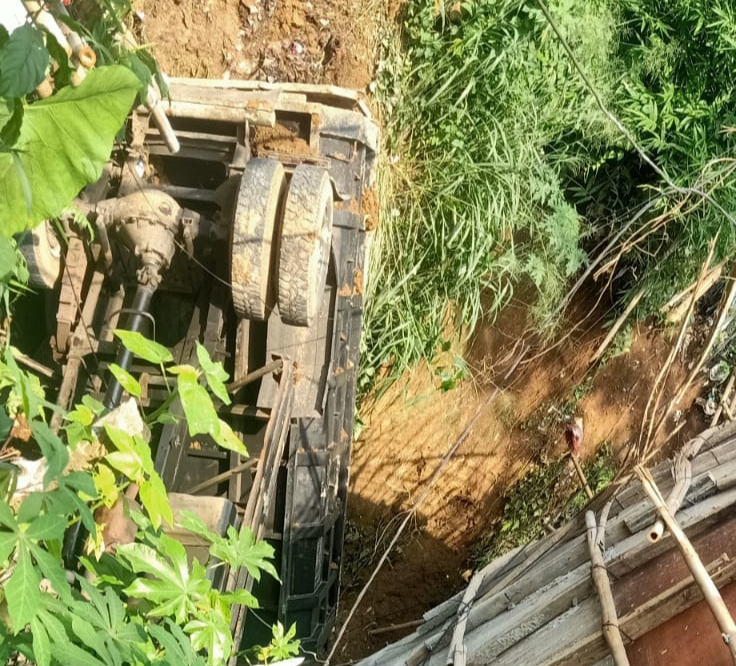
[83, 455]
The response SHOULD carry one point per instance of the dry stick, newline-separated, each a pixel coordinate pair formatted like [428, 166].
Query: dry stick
[396, 627]
[676, 305]
[724, 401]
[615, 328]
[683, 475]
[609, 618]
[658, 387]
[420, 500]
[700, 574]
[725, 306]
[581, 475]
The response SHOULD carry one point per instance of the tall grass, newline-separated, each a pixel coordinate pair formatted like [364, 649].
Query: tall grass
[484, 120]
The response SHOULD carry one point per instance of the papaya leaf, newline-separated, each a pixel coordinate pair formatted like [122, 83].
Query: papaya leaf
[64, 142]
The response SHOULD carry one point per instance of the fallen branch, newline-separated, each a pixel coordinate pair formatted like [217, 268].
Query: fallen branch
[677, 305]
[609, 618]
[615, 328]
[700, 574]
[723, 404]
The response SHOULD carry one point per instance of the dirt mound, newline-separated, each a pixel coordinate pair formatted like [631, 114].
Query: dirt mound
[320, 41]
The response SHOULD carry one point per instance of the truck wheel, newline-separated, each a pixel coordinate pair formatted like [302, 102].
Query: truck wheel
[42, 251]
[251, 255]
[306, 235]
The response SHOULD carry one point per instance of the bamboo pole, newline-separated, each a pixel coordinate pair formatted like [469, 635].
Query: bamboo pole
[581, 475]
[700, 574]
[609, 617]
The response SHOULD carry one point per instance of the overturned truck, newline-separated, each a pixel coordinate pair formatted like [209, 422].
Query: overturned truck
[251, 239]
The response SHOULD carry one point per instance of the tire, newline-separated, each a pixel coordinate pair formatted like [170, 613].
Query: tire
[252, 254]
[306, 237]
[42, 251]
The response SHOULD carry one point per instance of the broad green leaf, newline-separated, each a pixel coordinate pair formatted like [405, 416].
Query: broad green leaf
[227, 439]
[106, 485]
[88, 634]
[211, 634]
[144, 348]
[52, 569]
[95, 405]
[82, 415]
[7, 257]
[64, 69]
[214, 374]
[64, 142]
[7, 546]
[22, 592]
[7, 518]
[10, 129]
[41, 645]
[127, 463]
[23, 61]
[53, 449]
[126, 380]
[241, 598]
[192, 522]
[156, 502]
[242, 550]
[46, 528]
[197, 404]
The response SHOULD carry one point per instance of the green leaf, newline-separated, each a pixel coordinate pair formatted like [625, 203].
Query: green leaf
[156, 502]
[46, 528]
[95, 405]
[23, 61]
[211, 634]
[126, 380]
[144, 348]
[64, 142]
[41, 645]
[10, 130]
[227, 439]
[127, 463]
[82, 415]
[197, 404]
[241, 550]
[51, 567]
[22, 592]
[7, 546]
[64, 71]
[7, 257]
[53, 449]
[214, 374]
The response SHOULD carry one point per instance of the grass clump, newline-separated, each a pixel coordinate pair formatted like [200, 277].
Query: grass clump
[485, 120]
[501, 169]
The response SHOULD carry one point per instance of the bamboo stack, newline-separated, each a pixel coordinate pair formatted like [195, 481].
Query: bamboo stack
[538, 605]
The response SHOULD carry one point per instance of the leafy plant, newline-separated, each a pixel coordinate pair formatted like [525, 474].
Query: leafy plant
[542, 498]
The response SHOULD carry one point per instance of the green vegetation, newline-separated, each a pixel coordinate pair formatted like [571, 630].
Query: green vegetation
[135, 603]
[544, 497]
[502, 172]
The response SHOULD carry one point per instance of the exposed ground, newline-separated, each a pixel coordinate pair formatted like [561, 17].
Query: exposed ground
[410, 427]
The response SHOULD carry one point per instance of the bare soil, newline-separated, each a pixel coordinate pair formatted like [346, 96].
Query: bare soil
[325, 41]
[410, 427]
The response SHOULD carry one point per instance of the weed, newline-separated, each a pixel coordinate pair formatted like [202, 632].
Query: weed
[544, 498]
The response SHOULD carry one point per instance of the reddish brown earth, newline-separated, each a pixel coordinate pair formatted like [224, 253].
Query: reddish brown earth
[410, 427]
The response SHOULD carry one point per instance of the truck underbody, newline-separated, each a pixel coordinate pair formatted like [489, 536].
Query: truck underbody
[250, 240]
